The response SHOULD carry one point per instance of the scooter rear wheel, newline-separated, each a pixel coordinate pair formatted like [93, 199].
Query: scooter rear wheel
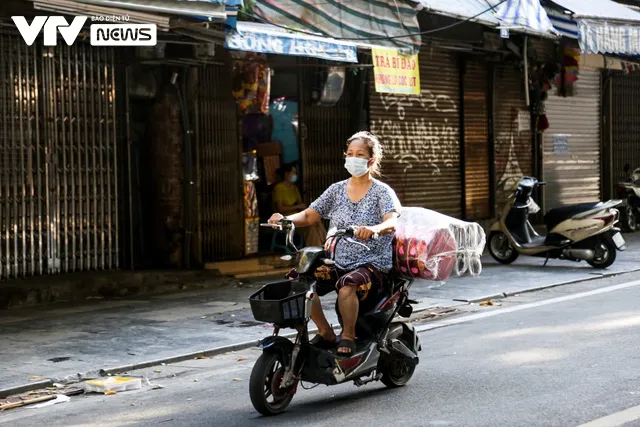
[629, 220]
[500, 248]
[606, 252]
[396, 372]
[265, 381]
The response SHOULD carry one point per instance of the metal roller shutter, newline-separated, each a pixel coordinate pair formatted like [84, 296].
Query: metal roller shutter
[625, 118]
[59, 199]
[421, 136]
[512, 143]
[220, 167]
[573, 176]
[476, 141]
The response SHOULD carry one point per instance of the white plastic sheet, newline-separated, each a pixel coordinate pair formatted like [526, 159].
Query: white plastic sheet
[433, 246]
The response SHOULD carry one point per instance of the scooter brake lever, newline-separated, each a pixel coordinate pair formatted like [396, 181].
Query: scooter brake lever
[350, 240]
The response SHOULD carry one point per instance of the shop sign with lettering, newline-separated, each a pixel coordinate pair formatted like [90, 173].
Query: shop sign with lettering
[396, 73]
[291, 44]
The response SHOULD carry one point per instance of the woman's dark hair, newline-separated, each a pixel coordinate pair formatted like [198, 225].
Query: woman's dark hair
[285, 169]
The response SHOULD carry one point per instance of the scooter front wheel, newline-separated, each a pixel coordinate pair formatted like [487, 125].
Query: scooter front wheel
[500, 248]
[264, 386]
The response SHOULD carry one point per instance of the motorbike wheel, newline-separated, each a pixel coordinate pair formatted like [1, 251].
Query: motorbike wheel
[265, 384]
[606, 252]
[500, 248]
[396, 372]
[629, 220]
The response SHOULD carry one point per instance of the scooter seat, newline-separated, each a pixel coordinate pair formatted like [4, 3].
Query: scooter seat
[557, 215]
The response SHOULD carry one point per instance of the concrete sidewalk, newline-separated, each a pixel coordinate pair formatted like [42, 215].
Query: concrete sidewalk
[62, 341]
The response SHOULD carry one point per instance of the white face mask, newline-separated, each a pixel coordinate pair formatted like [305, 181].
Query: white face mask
[356, 166]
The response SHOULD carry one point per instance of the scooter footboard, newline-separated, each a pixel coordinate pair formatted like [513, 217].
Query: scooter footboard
[319, 367]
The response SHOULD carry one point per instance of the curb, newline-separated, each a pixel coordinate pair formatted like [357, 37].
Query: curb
[24, 388]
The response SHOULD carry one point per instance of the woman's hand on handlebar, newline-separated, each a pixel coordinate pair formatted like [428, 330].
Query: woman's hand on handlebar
[365, 233]
[275, 218]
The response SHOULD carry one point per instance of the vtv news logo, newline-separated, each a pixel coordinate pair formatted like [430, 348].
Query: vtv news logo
[111, 34]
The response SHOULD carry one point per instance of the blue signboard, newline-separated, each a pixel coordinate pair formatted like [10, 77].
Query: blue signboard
[284, 43]
[560, 144]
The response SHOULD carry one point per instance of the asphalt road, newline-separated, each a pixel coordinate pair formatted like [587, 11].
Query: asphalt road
[561, 357]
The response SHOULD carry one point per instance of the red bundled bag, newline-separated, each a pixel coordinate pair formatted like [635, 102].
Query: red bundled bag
[431, 246]
[432, 256]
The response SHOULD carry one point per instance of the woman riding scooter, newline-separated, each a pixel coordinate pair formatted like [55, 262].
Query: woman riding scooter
[373, 207]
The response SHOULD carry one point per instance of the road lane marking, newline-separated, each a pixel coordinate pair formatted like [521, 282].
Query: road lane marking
[435, 325]
[615, 419]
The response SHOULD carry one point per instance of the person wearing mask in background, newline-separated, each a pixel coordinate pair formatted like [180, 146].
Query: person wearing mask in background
[287, 199]
[373, 207]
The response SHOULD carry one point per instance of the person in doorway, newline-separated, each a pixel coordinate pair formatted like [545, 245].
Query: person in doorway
[372, 207]
[287, 200]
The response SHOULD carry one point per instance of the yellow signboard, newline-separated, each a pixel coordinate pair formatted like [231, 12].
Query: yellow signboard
[396, 73]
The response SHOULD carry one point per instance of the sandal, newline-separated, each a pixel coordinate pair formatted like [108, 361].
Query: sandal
[346, 344]
[319, 342]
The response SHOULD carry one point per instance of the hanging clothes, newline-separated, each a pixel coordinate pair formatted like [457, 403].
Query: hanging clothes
[284, 114]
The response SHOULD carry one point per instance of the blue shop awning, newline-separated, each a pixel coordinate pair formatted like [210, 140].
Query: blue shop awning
[525, 14]
[600, 26]
[522, 16]
[265, 38]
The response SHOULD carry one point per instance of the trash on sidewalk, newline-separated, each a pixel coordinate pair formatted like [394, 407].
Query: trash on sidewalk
[151, 385]
[25, 402]
[60, 398]
[488, 303]
[35, 378]
[113, 384]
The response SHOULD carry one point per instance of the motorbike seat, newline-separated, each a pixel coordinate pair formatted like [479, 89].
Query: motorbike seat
[558, 215]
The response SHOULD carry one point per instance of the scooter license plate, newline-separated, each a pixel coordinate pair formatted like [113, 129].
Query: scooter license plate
[619, 241]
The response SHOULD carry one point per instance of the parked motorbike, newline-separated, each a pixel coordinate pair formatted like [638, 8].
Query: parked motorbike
[629, 192]
[583, 232]
[387, 350]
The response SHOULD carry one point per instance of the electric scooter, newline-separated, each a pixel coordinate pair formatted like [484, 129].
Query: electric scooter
[583, 232]
[386, 349]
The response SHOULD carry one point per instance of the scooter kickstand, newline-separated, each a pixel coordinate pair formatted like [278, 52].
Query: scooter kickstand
[546, 261]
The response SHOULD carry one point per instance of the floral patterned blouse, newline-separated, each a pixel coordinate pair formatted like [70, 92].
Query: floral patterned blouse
[334, 204]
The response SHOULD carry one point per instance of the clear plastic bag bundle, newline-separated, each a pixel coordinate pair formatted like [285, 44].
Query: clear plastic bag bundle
[433, 246]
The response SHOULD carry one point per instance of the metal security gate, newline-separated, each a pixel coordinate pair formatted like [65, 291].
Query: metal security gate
[220, 167]
[625, 124]
[421, 136]
[513, 137]
[476, 141]
[59, 191]
[571, 163]
[326, 130]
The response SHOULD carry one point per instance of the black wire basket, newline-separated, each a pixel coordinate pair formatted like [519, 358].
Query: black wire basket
[280, 303]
